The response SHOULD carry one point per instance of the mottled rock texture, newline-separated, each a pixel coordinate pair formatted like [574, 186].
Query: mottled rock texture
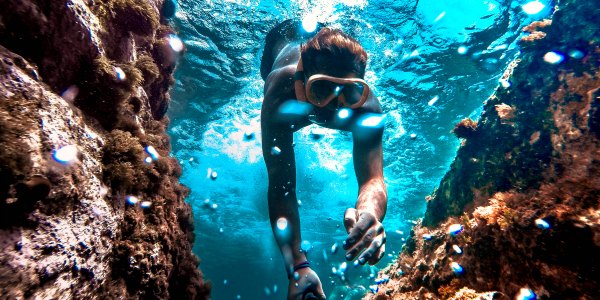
[534, 154]
[92, 75]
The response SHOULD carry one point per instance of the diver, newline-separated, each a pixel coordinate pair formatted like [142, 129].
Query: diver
[326, 72]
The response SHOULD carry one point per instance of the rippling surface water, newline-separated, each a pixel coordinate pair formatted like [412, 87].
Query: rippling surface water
[431, 63]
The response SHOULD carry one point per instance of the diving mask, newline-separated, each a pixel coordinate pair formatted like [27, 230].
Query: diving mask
[321, 89]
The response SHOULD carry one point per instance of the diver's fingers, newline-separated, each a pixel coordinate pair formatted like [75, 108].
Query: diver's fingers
[365, 221]
[379, 255]
[370, 253]
[350, 219]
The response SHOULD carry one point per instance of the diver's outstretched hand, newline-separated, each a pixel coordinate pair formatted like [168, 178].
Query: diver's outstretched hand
[366, 233]
[306, 287]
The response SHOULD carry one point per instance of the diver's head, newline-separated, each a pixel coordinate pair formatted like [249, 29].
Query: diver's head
[332, 67]
[334, 53]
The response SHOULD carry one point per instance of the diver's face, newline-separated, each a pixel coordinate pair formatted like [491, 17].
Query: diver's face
[330, 92]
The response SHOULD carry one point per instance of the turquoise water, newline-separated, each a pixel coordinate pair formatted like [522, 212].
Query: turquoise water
[431, 63]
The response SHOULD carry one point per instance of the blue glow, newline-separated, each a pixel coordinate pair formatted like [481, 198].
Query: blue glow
[309, 23]
[293, 109]
[372, 121]
[344, 113]
[576, 54]
[306, 246]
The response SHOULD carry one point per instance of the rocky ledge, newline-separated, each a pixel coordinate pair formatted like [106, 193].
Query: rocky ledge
[90, 202]
[518, 214]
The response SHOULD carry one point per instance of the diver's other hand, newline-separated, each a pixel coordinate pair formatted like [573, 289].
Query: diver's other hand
[366, 233]
[305, 286]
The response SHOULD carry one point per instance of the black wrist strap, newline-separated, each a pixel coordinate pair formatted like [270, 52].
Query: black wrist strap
[301, 265]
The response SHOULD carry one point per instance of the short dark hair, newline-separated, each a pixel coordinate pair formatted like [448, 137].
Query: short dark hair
[335, 53]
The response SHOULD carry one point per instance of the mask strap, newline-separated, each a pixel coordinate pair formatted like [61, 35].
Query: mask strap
[299, 82]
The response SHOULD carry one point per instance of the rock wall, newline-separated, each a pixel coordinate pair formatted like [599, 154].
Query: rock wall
[518, 213]
[90, 202]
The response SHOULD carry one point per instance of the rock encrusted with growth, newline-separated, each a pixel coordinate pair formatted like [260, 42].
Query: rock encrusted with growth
[525, 185]
[90, 202]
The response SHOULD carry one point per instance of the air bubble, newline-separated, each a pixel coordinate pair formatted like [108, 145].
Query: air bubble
[456, 268]
[275, 151]
[542, 224]
[526, 294]
[66, 154]
[455, 229]
[554, 58]
[309, 23]
[533, 7]
[132, 200]
[152, 152]
[175, 43]
[120, 73]
[282, 223]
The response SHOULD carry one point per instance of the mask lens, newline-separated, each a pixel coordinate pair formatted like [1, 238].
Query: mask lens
[322, 89]
[353, 92]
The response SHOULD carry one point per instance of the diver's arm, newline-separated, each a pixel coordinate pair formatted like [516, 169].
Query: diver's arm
[366, 235]
[279, 157]
[368, 158]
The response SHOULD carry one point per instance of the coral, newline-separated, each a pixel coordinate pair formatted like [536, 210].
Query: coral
[107, 87]
[138, 17]
[526, 186]
[66, 228]
[148, 68]
[465, 129]
[124, 164]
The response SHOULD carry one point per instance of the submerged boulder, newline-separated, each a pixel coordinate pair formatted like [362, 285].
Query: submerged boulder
[83, 93]
[525, 184]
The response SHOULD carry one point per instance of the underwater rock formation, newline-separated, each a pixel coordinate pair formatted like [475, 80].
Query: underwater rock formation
[518, 213]
[90, 201]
